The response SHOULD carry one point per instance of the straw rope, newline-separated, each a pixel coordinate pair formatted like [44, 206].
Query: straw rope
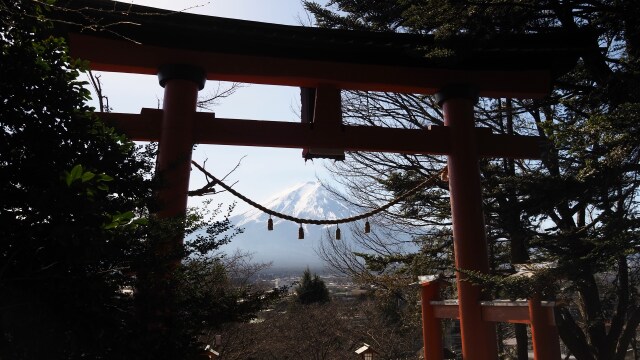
[215, 181]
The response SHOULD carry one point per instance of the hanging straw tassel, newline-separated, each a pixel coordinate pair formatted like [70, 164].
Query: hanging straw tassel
[300, 233]
[270, 224]
[338, 237]
[367, 227]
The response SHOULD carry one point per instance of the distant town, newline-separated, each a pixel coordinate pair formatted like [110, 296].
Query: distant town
[340, 286]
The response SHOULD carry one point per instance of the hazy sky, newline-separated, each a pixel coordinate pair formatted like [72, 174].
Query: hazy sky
[264, 171]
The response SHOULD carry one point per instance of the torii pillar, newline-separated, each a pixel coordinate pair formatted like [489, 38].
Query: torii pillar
[173, 166]
[181, 85]
[469, 237]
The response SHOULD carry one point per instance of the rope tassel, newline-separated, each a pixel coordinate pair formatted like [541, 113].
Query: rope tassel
[300, 233]
[270, 224]
[338, 237]
[367, 227]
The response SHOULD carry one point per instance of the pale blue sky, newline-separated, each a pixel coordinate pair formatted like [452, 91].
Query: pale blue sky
[264, 171]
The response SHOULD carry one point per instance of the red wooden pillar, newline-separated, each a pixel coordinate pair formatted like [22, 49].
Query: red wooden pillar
[469, 238]
[544, 336]
[155, 293]
[431, 327]
[181, 85]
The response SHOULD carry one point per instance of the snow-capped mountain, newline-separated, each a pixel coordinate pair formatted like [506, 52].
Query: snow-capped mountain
[308, 200]
[282, 246]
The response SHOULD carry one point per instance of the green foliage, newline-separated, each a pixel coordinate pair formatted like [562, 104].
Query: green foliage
[70, 190]
[207, 294]
[379, 15]
[78, 254]
[311, 289]
[209, 297]
[380, 263]
[190, 285]
[541, 283]
[577, 206]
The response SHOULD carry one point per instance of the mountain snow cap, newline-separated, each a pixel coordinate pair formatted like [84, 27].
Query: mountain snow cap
[308, 200]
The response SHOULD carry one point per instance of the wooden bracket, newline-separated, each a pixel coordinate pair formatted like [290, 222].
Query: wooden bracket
[322, 110]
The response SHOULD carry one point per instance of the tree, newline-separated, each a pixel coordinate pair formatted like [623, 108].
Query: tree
[311, 289]
[208, 288]
[71, 191]
[578, 206]
[319, 331]
[76, 225]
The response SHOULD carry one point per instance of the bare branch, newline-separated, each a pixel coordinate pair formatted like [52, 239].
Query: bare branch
[97, 87]
[211, 181]
[221, 92]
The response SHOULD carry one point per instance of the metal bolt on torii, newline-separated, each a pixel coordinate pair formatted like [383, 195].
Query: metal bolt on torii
[175, 46]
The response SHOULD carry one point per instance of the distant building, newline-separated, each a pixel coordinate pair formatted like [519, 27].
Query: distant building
[366, 352]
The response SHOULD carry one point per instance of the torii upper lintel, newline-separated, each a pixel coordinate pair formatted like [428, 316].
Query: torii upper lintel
[141, 39]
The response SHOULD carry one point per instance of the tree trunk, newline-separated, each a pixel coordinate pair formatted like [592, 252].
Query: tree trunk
[519, 252]
[572, 336]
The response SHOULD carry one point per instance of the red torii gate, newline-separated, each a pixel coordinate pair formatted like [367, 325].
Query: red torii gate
[185, 50]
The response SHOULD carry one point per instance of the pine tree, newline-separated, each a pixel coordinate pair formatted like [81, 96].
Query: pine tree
[312, 289]
[577, 207]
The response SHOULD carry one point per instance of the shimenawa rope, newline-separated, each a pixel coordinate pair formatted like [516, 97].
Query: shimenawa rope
[215, 181]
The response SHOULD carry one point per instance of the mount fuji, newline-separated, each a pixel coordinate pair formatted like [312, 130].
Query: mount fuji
[281, 246]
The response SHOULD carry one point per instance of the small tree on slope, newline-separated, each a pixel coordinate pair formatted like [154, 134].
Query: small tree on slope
[311, 289]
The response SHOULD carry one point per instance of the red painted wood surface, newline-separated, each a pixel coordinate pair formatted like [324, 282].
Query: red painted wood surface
[211, 130]
[508, 312]
[431, 326]
[130, 57]
[470, 244]
[175, 146]
[544, 336]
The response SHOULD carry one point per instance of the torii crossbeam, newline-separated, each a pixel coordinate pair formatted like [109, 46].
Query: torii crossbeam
[185, 50]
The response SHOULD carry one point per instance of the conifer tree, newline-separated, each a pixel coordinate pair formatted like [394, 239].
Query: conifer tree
[312, 289]
[577, 207]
